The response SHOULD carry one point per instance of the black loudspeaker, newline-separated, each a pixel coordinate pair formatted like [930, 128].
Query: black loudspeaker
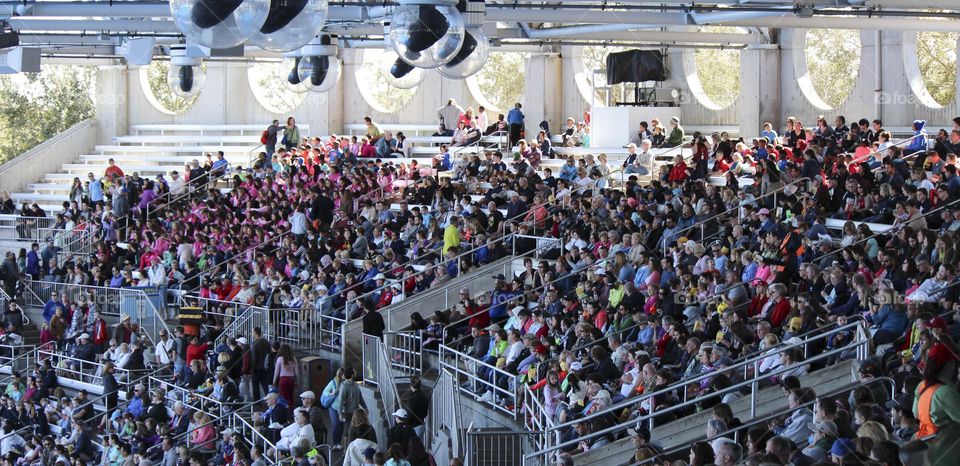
[315, 374]
[634, 66]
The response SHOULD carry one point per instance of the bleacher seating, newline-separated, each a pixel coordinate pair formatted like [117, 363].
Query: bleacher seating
[653, 335]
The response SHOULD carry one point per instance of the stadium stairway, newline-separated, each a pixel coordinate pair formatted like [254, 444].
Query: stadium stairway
[149, 151]
[689, 429]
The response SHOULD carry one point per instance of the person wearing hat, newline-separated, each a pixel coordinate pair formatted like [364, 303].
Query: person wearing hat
[675, 138]
[401, 432]
[84, 352]
[936, 403]
[124, 332]
[824, 434]
[308, 401]
[841, 448]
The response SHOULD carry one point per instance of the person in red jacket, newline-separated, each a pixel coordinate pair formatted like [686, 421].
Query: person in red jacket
[759, 301]
[100, 335]
[780, 310]
[195, 350]
[679, 172]
[479, 317]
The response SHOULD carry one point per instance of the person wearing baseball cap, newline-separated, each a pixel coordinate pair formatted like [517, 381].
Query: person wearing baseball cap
[401, 432]
[308, 400]
[824, 434]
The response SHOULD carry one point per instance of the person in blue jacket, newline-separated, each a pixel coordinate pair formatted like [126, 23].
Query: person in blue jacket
[889, 321]
[919, 141]
[33, 261]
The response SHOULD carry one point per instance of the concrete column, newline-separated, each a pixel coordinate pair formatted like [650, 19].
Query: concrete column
[534, 96]
[112, 102]
[553, 88]
[759, 99]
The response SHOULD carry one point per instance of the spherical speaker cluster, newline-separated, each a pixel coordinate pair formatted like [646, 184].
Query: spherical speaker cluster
[219, 24]
[185, 80]
[291, 24]
[319, 73]
[427, 36]
[471, 57]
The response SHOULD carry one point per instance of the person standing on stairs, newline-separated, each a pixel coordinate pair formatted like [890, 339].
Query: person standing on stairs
[418, 406]
[349, 401]
[286, 374]
[260, 351]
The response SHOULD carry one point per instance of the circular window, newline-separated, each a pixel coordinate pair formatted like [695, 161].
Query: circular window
[714, 73]
[267, 84]
[591, 79]
[930, 61]
[499, 84]
[153, 80]
[375, 85]
[832, 58]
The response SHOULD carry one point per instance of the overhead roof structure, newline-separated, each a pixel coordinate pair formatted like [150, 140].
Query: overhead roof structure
[100, 28]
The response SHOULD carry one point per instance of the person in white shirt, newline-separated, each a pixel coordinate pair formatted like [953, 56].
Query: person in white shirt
[245, 295]
[481, 119]
[166, 351]
[298, 223]
[932, 289]
[157, 276]
[176, 183]
[298, 432]
[12, 442]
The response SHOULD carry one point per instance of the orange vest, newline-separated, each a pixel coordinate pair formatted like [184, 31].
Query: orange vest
[927, 427]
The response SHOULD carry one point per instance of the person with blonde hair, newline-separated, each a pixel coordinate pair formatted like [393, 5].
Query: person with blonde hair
[873, 430]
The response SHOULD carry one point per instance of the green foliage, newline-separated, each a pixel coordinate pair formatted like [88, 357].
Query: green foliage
[267, 83]
[937, 57]
[501, 80]
[36, 106]
[159, 87]
[833, 60]
[719, 69]
[374, 82]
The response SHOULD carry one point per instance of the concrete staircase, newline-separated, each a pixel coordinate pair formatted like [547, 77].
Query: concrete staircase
[689, 429]
[150, 150]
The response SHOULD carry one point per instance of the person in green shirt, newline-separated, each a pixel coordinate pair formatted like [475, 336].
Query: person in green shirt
[291, 134]
[373, 130]
[676, 133]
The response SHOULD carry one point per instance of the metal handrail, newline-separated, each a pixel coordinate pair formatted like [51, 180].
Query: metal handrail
[187, 190]
[884, 232]
[764, 420]
[876, 152]
[702, 223]
[239, 254]
[630, 401]
[142, 297]
[753, 383]
[458, 259]
[444, 290]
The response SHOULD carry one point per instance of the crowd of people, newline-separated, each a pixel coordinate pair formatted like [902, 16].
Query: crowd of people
[656, 281]
[681, 279]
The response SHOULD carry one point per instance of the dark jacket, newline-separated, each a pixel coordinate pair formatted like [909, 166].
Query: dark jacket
[418, 405]
[400, 434]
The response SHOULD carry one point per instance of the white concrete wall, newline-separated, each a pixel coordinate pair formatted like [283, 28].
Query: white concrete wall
[48, 156]
[768, 82]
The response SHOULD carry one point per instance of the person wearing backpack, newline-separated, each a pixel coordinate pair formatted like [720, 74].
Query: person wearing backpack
[269, 137]
[329, 400]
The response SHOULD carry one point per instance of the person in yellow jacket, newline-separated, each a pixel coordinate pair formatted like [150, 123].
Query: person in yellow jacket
[936, 404]
[451, 234]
